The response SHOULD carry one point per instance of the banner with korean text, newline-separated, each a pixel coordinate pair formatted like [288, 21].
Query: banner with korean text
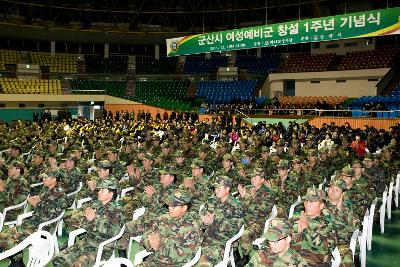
[353, 25]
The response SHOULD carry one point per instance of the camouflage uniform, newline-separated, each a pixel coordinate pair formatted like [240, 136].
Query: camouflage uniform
[108, 222]
[278, 229]
[228, 218]
[316, 242]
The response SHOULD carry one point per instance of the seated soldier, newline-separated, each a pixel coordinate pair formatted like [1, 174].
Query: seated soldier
[15, 189]
[315, 235]
[222, 218]
[102, 220]
[46, 206]
[173, 237]
[279, 251]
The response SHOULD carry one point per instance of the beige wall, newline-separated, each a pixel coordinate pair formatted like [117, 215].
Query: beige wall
[31, 100]
[356, 84]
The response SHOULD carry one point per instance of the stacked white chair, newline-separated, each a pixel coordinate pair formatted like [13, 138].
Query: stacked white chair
[371, 223]
[389, 201]
[382, 210]
[228, 252]
[363, 239]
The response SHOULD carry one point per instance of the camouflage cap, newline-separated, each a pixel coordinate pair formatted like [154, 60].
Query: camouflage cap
[265, 149]
[106, 183]
[223, 180]
[178, 197]
[77, 148]
[248, 153]
[197, 163]
[178, 154]
[165, 145]
[227, 157]
[57, 173]
[149, 156]
[39, 153]
[104, 164]
[324, 150]
[72, 159]
[297, 160]
[279, 228]
[348, 170]
[313, 152]
[168, 170]
[141, 149]
[15, 145]
[339, 183]
[112, 150]
[205, 149]
[314, 194]
[357, 162]
[368, 157]
[257, 172]
[283, 164]
[206, 141]
[17, 164]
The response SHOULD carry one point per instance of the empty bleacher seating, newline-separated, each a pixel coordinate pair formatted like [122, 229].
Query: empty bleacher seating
[59, 63]
[95, 87]
[198, 64]
[9, 57]
[379, 58]
[112, 64]
[150, 65]
[166, 94]
[30, 86]
[303, 62]
[258, 65]
[216, 92]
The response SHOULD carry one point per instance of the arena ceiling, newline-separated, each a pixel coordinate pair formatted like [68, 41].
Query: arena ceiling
[184, 16]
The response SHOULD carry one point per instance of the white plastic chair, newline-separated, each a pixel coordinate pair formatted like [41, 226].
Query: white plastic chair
[138, 213]
[382, 210]
[353, 242]
[82, 201]
[36, 185]
[73, 234]
[293, 206]
[18, 206]
[371, 223]
[118, 262]
[362, 239]
[396, 191]
[102, 244]
[228, 252]
[58, 229]
[273, 215]
[41, 249]
[140, 256]
[1, 221]
[125, 191]
[336, 258]
[75, 193]
[195, 259]
[389, 201]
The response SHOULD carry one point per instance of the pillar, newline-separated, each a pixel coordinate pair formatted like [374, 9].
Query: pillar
[106, 48]
[53, 48]
[157, 51]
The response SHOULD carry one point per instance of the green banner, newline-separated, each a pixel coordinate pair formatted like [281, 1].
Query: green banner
[353, 25]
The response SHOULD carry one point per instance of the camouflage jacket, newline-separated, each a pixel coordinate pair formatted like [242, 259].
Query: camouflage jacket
[71, 180]
[290, 258]
[179, 240]
[200, 192]
[228, 218]
[317, 241]
[16, 191]
[257, 208]
[156, 203]
[33, 173]
[118, 169]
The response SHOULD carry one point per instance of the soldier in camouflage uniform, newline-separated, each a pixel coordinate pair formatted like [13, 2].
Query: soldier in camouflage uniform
[375, 174]
[174, 237]
[77, 153]
[118, 168]
[257, 201]
[222, 217]
[344, 219]
[313, 169]
[15, 189]
[315, 236]
[228, 169]
[46, 206]
[325, 165]
[71, 174]
[279, 252]
[38, 167]
[182, 164]
[102, 220]
[198, 184]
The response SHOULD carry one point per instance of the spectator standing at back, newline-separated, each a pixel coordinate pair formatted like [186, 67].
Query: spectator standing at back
[359, 146]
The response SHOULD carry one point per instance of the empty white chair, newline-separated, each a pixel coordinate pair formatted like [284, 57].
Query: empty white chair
[382, 210]
[118, 262]
[336, 258]
[371, 223]
[293, 206]
[363, 239]
[41, 249]
[396, 191]
[389, 201]
[353, 242]
[228, 252]
[195, 259]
